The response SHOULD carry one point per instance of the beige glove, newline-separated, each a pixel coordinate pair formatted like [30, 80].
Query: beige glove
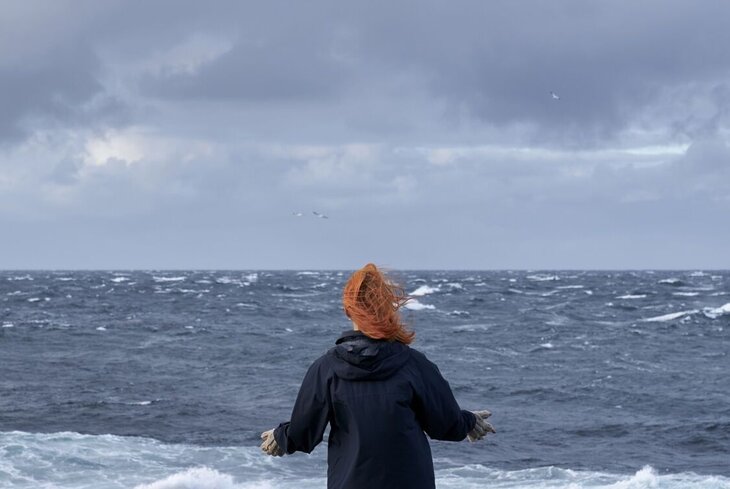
[269, 445]
[481, 427]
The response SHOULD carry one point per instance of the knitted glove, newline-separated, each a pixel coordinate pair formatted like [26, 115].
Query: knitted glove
[269, 445]
[481, 427]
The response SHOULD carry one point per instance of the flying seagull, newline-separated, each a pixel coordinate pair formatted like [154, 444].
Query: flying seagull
[555, 96]
[321, 216]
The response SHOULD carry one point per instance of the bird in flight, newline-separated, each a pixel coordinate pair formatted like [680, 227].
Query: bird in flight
[321, 216]
[555, 96]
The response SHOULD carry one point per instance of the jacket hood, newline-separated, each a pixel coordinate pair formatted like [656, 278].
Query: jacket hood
[359, 357]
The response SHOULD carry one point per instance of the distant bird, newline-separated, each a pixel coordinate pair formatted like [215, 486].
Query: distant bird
[555, 96]
[297, 214]
[321, 216]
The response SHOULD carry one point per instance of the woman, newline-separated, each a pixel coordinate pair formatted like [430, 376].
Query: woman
[379, 396]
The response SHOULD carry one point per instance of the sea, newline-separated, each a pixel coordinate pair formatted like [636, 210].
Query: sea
[165, 379]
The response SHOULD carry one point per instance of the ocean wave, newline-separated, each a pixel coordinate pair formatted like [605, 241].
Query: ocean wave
[424, 290]
[414, 305]
[632, 296]
[716, 312]
[70, 460]
[671, 316]
[168, 279]
[671, 281]
[709, 312]
[196, 478]
[543, 278]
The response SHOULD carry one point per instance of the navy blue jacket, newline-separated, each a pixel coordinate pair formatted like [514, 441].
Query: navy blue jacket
[380, 399]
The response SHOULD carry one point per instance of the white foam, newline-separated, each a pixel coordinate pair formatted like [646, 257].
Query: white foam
[168, 279]
[697, 274]
[686, 294]
[670, 281]
[197, 478]
[20, 277]
[101, 328]
[632, 296]
[118, 280]
[116, 462]
[8, 325]
[251, 277]
[714, 313]
[570, 287]
[547, 345]
[34, 299]
[459, 313]
[414, 305]
[543, 278]
[671, 316]
[455, 285]
[424, 290]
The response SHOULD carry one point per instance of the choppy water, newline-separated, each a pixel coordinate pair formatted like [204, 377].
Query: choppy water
[595, 379]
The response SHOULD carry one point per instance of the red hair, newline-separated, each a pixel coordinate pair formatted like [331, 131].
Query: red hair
[372, 301]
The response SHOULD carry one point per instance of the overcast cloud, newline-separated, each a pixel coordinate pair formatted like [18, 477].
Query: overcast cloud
[176, 134]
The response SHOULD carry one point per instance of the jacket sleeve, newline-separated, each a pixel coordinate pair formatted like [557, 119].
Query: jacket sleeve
[310, 415]
[435, 406]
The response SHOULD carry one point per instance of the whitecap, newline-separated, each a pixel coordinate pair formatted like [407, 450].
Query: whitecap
[714, 313]
[168, 279]
[8, 325]
[543, 278]
[459, 313]
[697, 274]
[471, 327]
[570, 286]
[455, 285]
[686, 294]
[632, 296]
[101, 328]
[414, 305]
[670, 281]
[671, 316]
[20, 277]
[424, 290]
[547, 345]
[34, 299]
[251, 277]
[197, 478]
[118, 280]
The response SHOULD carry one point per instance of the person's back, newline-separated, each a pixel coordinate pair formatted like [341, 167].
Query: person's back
[379, 396]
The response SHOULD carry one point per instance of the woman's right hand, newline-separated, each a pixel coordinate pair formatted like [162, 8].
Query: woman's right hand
[269, 445]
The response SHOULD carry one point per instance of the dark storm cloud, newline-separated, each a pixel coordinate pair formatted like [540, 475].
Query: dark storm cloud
[194, 123]
[53, 86]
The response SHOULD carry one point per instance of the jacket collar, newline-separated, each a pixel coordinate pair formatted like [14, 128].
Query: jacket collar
[350, 333]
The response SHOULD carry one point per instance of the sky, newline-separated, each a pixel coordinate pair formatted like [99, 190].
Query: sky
[184, 134]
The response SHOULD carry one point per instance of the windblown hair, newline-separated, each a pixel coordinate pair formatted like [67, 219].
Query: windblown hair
[372, 301]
